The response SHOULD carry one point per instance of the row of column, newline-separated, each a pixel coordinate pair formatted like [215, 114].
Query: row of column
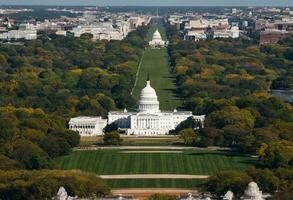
[148, 123]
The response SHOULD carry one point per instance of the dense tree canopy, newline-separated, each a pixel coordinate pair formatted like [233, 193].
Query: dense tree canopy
[46, 81]
[30, 138]
[70, 76]
[44, 184]
[228, 80]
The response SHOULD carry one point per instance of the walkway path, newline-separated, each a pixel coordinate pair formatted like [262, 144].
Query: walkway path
[138, 70]
[152, 151]
[153, 176]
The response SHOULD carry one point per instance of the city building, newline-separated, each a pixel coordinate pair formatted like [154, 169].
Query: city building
[201, 29]
[157, 41]
[88, 126]
[150, 120]
[99, 33]
[273, 36]
[25, 31]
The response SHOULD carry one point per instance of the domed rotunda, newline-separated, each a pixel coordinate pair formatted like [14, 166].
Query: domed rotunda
[157, 36]
[157, 41]
[148, 102]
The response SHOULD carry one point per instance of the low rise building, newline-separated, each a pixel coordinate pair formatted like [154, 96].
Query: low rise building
[273, 36]
[88, 126]
[201, 29]
[25, 31]
[99, 33]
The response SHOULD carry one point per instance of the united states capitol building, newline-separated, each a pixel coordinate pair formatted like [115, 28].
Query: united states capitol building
[149, 120]
[157, 41]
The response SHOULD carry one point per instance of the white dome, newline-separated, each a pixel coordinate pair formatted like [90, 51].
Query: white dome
[148, 99]
[157, 36]
[252, 190]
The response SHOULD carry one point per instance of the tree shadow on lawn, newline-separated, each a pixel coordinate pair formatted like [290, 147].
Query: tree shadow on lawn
[248, 159]
[220, 152]
[255, 163]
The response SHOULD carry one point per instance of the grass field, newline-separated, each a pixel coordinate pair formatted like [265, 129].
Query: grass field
[156, 63]
[151, 183]
[196, 162]
[134, 141]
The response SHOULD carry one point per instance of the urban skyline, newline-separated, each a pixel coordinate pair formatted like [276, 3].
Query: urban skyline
[281, 3]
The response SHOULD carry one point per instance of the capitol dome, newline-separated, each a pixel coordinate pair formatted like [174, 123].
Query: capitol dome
[157, 36]
[148, 99]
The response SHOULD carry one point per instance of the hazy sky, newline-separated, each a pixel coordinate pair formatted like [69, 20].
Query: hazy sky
[152, 2]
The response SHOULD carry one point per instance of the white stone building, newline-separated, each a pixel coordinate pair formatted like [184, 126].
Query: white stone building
[157, 41]
[99, 33]
[25, 31]
[196, 29]
[232, 32]
[150, 120]
[88, 126]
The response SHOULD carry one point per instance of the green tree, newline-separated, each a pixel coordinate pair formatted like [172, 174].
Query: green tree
[278, 154]
[190, 122]
[232, 115]
[221, 182]
[266, 179]
[30, 155]
[112, 138]
[110, 128]
[188, 135]
[44, 184]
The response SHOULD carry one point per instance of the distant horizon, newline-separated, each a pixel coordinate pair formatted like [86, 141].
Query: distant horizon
[32, 5]
[152, 3]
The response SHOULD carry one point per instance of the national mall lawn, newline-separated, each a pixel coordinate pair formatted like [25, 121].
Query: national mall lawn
[155, 63]
[193, 162]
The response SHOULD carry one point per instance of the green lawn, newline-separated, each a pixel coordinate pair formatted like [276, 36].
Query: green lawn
[157, 183]
[156, 63]
[197, 162]
[134, 141]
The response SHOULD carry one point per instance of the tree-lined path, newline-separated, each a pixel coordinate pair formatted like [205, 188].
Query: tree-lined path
[155, 62]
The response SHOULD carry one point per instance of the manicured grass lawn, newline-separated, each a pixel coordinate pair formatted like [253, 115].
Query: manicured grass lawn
[133, 141]
[197, 162]
[154, 183]
[156, 63]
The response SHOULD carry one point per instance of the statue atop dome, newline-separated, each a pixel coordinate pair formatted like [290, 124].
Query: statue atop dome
[157, 41]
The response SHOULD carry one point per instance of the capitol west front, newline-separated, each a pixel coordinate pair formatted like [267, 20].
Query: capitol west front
[149, 120]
